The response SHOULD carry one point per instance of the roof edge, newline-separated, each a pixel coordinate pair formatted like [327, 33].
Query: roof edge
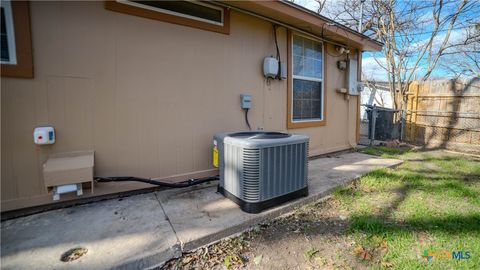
[298, 18]
[328, 20]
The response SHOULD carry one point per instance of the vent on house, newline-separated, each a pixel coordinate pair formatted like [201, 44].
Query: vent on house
[260, 169]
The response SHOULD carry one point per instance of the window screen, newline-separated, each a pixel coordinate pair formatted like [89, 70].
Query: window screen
[4, 38]
[198, 11]
[7, 39]
[307, 88]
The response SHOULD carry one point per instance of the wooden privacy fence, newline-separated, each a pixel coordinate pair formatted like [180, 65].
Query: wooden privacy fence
[444, 114]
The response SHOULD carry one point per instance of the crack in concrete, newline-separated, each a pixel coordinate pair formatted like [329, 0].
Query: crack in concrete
[179, 243]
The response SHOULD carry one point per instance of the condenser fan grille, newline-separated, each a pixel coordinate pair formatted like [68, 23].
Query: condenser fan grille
[251, 174]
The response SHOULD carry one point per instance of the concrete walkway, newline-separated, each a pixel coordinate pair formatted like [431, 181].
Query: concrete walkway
[146, 230]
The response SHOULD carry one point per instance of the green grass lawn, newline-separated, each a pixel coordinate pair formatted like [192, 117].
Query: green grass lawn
[429, 203]
[387, 219]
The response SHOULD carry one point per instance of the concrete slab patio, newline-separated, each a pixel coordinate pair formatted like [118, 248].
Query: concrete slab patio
[144, 231]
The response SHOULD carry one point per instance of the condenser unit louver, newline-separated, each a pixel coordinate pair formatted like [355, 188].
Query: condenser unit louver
[260, 169]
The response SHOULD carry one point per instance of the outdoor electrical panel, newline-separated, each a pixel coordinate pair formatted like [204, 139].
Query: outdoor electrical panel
[270, 67]
[283, 71]
[353, 84]
[246, 101]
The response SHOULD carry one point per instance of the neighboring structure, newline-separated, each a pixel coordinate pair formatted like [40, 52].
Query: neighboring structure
[147, 85]
[375, 93]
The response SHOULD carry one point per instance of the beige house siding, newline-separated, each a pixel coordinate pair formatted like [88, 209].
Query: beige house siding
[147, 96]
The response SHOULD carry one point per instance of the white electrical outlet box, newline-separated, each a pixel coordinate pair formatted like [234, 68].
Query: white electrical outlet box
[270, 67]
[44, 135]
[352, 78]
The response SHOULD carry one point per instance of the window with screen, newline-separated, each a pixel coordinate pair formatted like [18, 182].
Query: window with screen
[307, 80]
[197, 11]
[197, 14]
[16, 59]
[8, 55]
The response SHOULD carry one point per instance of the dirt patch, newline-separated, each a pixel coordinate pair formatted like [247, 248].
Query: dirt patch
[313, 237]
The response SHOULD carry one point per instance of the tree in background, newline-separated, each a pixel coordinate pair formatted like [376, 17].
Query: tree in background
[418, 36]
[463, 59]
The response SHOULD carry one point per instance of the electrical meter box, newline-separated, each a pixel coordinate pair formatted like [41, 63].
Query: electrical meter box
[44, 135]
[353, 87]
[270, 67]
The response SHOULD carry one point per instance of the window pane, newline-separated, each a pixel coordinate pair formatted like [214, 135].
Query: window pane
[316, 108]
[306, 109]
[297, 46]
[302, 90]
[307, 100]
[5, 56]
[297, 114]
[318, 50]
[307, 57]
[309, 68]
[187, 8]
[309, 48]
[317, 68]
[298, 65]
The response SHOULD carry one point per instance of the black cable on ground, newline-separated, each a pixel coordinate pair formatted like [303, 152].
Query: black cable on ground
[187, 183]
[246, 119]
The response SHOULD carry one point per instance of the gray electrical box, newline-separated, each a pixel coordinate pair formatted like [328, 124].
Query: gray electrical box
[246, 101]
[283, 71]
[352, 78]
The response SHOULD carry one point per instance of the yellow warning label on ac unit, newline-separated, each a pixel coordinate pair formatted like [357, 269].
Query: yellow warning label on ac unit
[215, 156]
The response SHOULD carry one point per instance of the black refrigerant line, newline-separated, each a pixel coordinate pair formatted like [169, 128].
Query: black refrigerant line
[246, 119]
[183, 184]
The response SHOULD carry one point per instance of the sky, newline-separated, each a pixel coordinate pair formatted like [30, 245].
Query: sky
[370, 62]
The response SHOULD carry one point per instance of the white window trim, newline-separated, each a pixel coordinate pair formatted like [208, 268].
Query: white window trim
[12, 52]
[306, 78]
[180, 14]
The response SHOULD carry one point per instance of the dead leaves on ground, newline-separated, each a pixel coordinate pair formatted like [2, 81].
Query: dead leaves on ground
[373, 254]
[362, 253]
[387, 264]
[228, 253]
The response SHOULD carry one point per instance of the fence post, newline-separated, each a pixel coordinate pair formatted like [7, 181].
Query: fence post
[374, 120]
[403, 116]
[417, 91]
[412, 105]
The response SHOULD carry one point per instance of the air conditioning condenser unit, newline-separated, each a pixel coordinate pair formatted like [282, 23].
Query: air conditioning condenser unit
[261, 169]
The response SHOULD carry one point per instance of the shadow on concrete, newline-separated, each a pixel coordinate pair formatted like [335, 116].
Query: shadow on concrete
[115, 232]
